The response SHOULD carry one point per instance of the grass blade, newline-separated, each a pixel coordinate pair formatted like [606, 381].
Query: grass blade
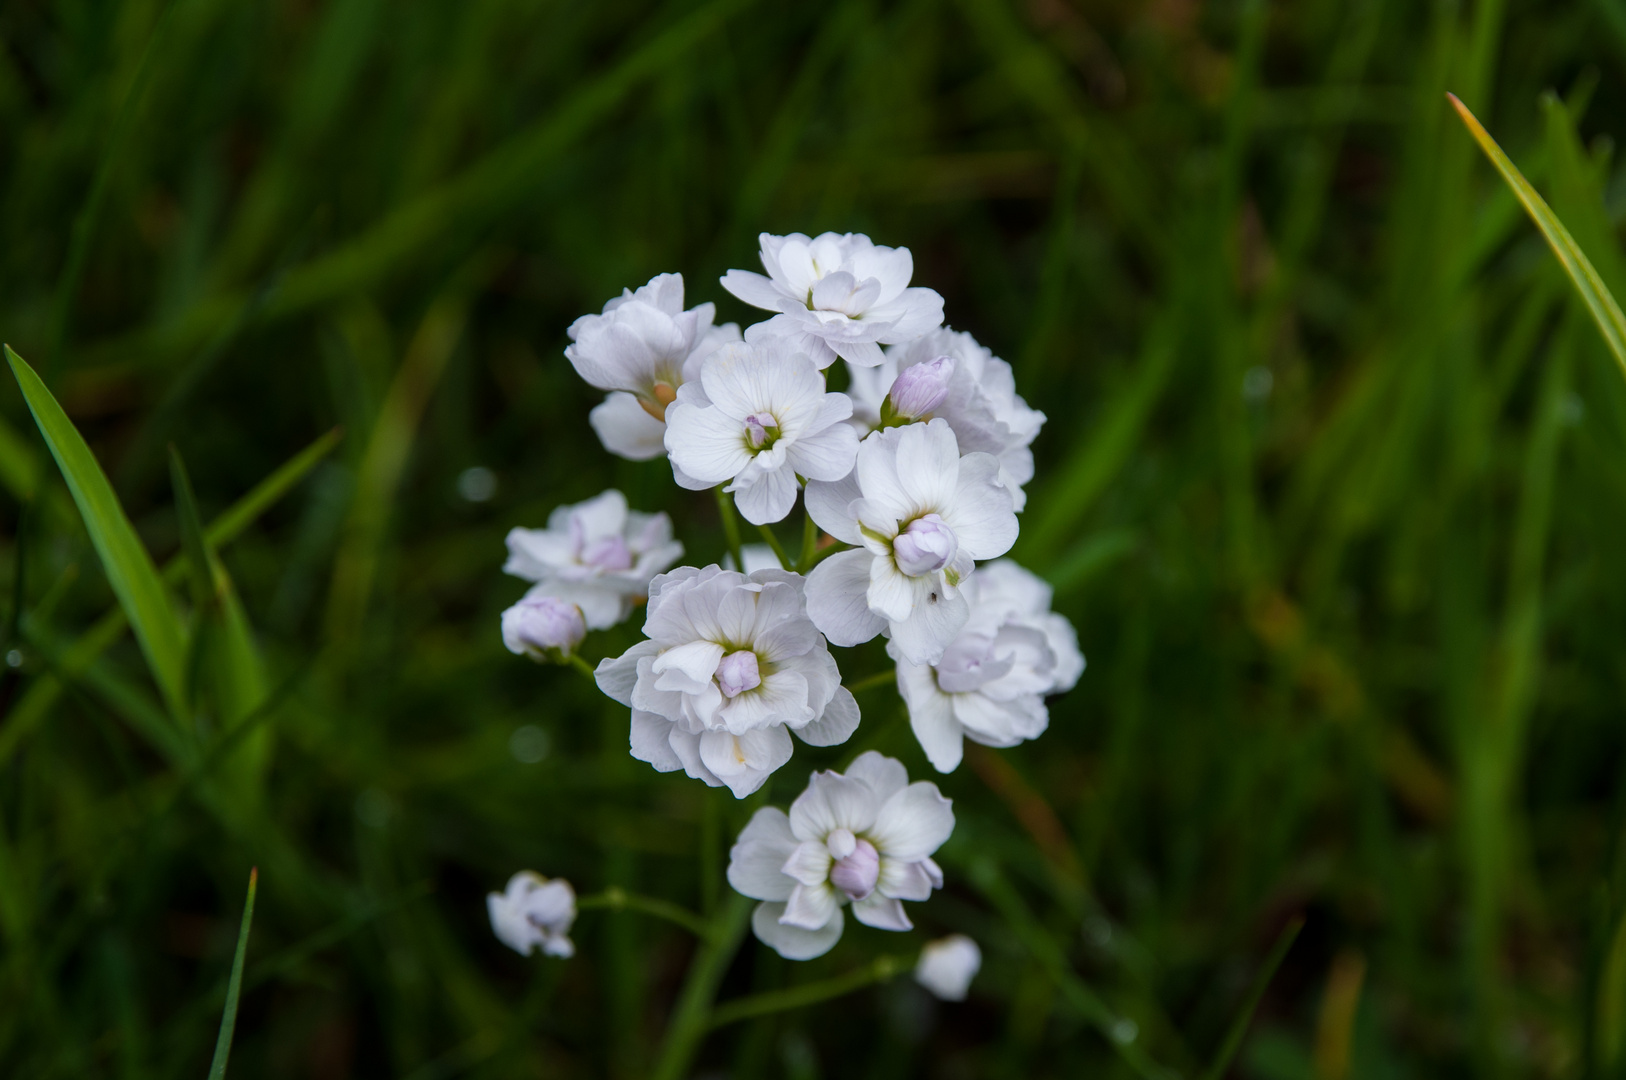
[130, 569]
[228, 1020]
[1239, 1026]
[1605, 311]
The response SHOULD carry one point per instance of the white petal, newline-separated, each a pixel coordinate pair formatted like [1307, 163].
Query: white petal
[617, 676]
[904, 880]
[687, 747]
[754, 289]
[811, 906]
[948, 965]
[830, 502]
[885, 776]
[831, 802]
[1001, 723]
[807, 864]
[755, 858]
[704, 443]
[931, 716]
[892, 594]
[923, 636]
[980, 513]
[881, 912]
[688, 668]
[828, 454]
[912, 824]
[626, 429]
[651, 741]
[768, 498]
[928, 464]
[836, 725]
[792, 942]
[744, 762]
[837, 599]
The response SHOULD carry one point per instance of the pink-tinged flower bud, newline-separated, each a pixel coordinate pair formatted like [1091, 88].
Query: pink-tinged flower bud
[760, 430]
[543, 628]
[608, 553]
[948, 965]
[921, 388]
[857, 873]
[738, 673]
[927, 545]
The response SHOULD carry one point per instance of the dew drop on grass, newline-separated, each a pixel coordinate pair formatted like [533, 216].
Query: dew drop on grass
[477, 484]
[529, 744]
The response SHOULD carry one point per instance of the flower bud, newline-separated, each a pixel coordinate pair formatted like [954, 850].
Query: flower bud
[948, 965]
[543, 628]
[920, 388]
[534, 912]
[857, 873]
[738, 673]
[926, 546]
[761, 429]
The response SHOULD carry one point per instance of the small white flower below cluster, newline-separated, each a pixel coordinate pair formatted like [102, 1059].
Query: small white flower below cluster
[596, 555]
[534, 912]
[992, 680]
[865, 838]
[544, 628]
[732, 666]
[948, 965]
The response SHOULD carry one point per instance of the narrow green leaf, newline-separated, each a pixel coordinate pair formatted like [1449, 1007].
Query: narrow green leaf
[129, 568]
[1605, 312]
[1261, 982]
[192, 541]
[228, 1021]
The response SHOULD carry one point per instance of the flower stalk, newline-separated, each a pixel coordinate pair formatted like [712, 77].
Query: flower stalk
[881, 969]
[692, 1017]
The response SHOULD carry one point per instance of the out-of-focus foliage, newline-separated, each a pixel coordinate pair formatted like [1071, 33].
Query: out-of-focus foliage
[1334, 487]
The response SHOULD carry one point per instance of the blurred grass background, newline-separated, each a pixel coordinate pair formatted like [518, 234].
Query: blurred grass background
[1334, 488]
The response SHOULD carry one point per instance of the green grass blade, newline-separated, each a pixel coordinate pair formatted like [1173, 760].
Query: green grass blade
[228, 1021]
[130, 569]
[192, 541]
[1605, 311]
[1261, 982]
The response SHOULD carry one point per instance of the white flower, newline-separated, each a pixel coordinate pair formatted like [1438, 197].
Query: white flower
[991, 683]
[864, 838]
[534, 911]
[733, 665]
[642, 348]
[543, 628]
[947, 966]
[979, 400]
[595, 554]
[838, 295]
[922, 514]
[760, 418]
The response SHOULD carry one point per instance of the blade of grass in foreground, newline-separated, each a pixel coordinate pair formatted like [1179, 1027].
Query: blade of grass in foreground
[1605, 312]
[1239, 1026]
[130, 569]
[228, 1020]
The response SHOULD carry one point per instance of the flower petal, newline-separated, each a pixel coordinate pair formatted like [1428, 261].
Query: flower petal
[836, 725]
[807, 864]
[830, 502]
[811, 906]
[626, 429]
[792, 942]
[837, 599]
[831, 802]
[616, 676]
[912, 824]
[687, 668]
[980, 511]
[651, 741]
[922, 637]
[904, 880]
[881, 912]
[755, 859]
[767, 498]
[885, 776]
[705, 443]
[931, 716]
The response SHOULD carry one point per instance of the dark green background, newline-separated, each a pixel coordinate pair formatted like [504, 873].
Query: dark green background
[1355, 642]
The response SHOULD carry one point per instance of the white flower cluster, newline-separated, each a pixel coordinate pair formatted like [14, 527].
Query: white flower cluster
[914, 476]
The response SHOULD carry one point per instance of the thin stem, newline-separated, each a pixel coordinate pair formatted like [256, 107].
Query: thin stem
[810, 540]
[746, 1008]
[870, 682]
[731, 526]
[584, 667]
[616, 898]
[778, 549]
[824, 553]
[692, 1018]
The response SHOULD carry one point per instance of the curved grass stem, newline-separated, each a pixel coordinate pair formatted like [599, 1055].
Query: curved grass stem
[880, 969]
[692, 1018]
[616, 898]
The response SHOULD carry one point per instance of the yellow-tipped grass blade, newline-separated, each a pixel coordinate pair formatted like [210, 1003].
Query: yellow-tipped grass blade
[1605, 312]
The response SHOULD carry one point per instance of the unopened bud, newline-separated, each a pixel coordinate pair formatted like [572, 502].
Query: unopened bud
[857, 873]
[919, 389]
[926, 546]
[543, 628]
[738, 673]
[948, 965]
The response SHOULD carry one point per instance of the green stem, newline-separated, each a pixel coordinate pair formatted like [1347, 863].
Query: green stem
[584, 667]
[778, 549]
[731, 526]
[692, 1018]
[616, 898]
[870, 682]
[810, 540]
[746, 1008]
[711, 842]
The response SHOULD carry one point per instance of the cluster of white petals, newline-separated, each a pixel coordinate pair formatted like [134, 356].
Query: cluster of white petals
[732, 666]
[596, 554]
[947, 966]
[534, 912]
[758, 419]
[864, 838]
[837, 295]
[991, 682]
[920, 515]
[642, 349]
[948, 375]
